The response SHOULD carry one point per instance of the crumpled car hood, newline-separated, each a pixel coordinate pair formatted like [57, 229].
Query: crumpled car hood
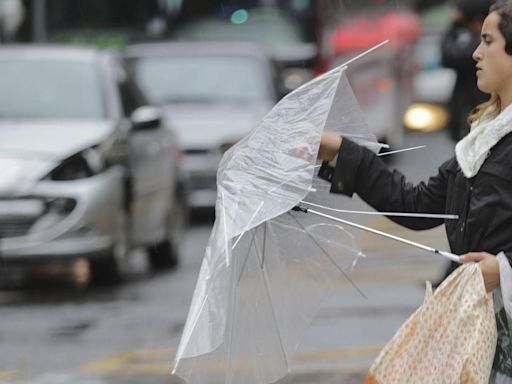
[29, 150]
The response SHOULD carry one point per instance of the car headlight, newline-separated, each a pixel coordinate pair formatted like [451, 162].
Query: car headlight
[79, 166]
[425, 117]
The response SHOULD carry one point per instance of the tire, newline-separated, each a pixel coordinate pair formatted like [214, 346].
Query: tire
[107, 270]
[166, 254]
[163, 256]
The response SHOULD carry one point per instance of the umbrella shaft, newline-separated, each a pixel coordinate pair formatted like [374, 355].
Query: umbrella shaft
[388, 235]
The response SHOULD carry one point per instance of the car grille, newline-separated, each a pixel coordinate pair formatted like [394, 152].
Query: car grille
[15, 227]
[18, 215]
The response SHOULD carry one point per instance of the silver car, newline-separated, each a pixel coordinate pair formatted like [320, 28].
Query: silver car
[213, 94]
[88, 169]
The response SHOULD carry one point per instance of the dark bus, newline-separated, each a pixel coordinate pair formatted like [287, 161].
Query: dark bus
[95, 22]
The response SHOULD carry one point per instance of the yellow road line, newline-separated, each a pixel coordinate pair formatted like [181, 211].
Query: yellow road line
[7, 375]
[338, 354]
[159, 362]
[142, 361]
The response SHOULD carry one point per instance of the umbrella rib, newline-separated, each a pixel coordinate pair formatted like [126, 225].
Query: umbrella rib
[448, 255]
[264, 245]
[246, 257]
[234, 300]
[224, 221]
[398, 214]
[272, 308]
[247, 227]
[329, 256]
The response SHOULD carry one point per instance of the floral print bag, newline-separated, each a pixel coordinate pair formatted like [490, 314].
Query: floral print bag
[451, 338]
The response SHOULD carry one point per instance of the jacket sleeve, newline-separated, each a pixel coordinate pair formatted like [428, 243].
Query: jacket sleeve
[358, 170]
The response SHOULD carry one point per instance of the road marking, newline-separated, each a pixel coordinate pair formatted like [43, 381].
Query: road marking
[7, 375]
[159, 362]
[338, 354]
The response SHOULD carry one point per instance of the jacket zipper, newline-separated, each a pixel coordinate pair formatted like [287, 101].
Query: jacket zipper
[463, 228]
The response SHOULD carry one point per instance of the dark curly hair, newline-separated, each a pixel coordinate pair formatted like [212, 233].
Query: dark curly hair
[504, 9]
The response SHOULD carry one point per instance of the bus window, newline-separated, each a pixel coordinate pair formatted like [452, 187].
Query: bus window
[96, 22]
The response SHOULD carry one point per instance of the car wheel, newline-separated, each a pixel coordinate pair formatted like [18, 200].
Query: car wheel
[108, 270]
[166, 254]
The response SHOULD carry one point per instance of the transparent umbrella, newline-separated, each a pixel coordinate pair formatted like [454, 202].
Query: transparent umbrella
[267, 267]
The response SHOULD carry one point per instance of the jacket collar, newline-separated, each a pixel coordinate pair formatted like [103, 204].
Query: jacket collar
[473, 149]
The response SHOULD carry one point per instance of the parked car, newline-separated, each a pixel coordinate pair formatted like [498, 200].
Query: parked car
[212, 94]
[88, 169]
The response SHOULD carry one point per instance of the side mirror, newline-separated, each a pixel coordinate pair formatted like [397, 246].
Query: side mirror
[146, 117]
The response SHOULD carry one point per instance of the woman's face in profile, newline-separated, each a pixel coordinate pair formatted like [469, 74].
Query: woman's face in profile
[493, 64]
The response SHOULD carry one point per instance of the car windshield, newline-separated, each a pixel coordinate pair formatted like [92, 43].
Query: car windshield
[263, 26]
[48, 89]
[201, 79]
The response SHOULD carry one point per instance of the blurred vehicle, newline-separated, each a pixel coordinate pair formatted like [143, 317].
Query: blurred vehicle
[102, 23]
[89, 171]
[290, 28]
[433, 84]
[282, 35]
[212, 94]
[432, 87]
[382, 80]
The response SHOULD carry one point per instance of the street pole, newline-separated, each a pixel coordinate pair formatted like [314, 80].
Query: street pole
[39, 25]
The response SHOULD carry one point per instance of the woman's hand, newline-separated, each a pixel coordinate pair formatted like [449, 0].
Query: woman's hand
[489, 266]
[329, 145]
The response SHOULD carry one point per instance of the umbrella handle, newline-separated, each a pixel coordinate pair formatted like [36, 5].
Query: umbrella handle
[451, 256]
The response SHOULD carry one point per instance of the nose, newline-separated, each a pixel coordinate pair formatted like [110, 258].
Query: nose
[477, 55]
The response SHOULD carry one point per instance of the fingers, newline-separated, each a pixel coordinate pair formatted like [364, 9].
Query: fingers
[474, 257]
[329, 145]
[488, 265]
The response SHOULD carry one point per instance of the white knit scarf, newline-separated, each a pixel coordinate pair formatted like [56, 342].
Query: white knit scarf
[473, 149]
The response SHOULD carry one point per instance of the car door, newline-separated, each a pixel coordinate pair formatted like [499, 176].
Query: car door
[152, 170]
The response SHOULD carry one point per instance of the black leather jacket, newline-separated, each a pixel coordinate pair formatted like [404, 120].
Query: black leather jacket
[483, 203]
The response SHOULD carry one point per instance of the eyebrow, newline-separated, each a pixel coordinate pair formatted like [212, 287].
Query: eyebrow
[485, 35]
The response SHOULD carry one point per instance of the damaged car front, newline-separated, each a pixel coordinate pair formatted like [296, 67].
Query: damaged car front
[62, 189]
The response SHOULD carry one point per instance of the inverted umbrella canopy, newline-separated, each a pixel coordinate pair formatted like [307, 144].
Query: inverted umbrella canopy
[265, 270]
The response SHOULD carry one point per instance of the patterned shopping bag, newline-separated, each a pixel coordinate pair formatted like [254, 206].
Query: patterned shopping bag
[451, 338]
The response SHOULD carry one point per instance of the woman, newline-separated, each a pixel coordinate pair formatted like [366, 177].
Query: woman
[475, 184]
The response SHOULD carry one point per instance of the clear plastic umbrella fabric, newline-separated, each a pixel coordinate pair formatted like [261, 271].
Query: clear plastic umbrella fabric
[266, 268]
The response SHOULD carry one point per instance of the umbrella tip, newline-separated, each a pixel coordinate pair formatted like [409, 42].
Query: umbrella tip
[298, 208]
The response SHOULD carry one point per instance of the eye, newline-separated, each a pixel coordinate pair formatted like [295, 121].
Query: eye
[486, 40]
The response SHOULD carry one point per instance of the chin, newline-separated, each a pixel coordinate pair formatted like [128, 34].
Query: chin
[483, 87]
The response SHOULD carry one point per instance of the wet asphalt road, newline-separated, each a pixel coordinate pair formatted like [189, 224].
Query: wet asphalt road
[129, 334]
